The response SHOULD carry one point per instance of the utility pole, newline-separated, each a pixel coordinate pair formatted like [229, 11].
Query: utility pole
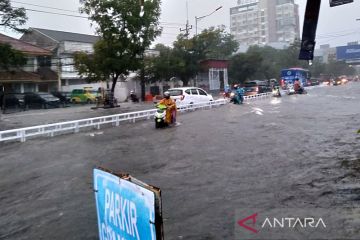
[59, 74]
[188, 27]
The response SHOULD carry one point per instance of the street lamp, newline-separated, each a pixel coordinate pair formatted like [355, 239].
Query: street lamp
[199, 18]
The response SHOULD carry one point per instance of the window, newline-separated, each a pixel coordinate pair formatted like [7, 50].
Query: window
[188, 91]
[194, 92]
[175, 92]
[201, 92]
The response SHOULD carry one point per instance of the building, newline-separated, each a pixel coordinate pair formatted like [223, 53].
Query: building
[325, 53]
[35, 76]
[265, 22]
[214, 75]
[63, 46]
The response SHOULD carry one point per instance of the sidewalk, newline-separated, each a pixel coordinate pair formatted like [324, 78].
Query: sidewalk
[47, 116]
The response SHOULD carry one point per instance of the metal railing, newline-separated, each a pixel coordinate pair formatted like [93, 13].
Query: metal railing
[257, 96]
[22, 134]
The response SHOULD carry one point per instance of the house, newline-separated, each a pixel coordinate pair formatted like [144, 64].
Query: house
[63, 46]
[36, 75]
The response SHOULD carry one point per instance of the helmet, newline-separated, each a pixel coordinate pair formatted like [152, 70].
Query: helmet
[167, 94]
[236, 86]
[132, 92]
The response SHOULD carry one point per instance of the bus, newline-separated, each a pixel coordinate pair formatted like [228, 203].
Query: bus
[289, 75]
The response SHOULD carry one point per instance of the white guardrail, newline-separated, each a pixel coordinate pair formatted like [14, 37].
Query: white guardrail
[51, 130]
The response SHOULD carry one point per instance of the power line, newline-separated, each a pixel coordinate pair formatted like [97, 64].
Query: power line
[61, 14]
[66, 10]
[42, 6]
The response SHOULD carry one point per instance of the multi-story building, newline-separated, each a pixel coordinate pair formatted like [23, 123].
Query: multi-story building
[265, 22]
[63, 46]
[36, 75]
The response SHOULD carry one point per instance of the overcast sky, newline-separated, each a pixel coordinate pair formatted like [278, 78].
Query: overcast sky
[337, 26]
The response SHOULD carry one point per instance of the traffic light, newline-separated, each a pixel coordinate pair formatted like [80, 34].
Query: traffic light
[334, 3]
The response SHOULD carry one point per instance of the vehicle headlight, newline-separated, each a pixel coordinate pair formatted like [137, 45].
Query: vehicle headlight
[232, 94]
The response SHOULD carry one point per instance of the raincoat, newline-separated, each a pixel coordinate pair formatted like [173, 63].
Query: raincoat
[171, 110]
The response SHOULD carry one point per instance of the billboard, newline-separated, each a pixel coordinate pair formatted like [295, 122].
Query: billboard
[125, 209]
[348, 53]
[334, 3]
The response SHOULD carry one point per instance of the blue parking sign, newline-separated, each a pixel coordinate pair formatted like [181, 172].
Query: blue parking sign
[125, 211]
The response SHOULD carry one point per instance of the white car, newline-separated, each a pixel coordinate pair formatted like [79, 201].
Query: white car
[189, 95]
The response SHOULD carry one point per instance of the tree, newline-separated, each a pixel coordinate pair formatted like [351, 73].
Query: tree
[11, 17]
[160, 67]
[290, 56]
[317, 68]
[337, 68]
[215, 43]
[188, 53]
[243, 66]
[269, 67]
[185, 59]
[10, 58]
[126, 30]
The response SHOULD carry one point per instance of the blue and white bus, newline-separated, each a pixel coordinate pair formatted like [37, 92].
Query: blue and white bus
[289, 75]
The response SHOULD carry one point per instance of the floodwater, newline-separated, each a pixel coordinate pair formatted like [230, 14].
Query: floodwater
[294, 152]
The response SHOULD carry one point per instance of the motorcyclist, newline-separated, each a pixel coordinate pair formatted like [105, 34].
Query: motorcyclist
[239, 93]
[297, 86]
[227, 90]
[276, 91]
[133, 96]
[170, 104]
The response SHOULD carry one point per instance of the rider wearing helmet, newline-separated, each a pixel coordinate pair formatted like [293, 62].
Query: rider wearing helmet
[171, 108]
[239, 93]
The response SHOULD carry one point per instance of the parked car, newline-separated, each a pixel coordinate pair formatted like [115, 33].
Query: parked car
[11, 100]
[256, 87]
[40, 100]
[189, 95]
[65, 97]
[83, 96]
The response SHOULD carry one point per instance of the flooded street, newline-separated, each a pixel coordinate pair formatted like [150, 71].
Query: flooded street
[299, 151]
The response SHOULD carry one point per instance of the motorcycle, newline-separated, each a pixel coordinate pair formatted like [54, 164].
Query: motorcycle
[301, 90]
[134, 98]
[290, 89]
[160, 116]
[236, 99]
[276, 92]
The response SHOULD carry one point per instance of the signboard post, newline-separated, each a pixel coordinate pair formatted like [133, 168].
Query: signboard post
[127, 209]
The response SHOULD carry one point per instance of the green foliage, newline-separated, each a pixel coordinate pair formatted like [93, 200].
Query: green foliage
[267, 62]
[11, 17]
[337, 68]
[10, 58]
[183, 59]
[215, 43]
[243, 66]
[186, 59]
[160, 67]
[126, 30]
